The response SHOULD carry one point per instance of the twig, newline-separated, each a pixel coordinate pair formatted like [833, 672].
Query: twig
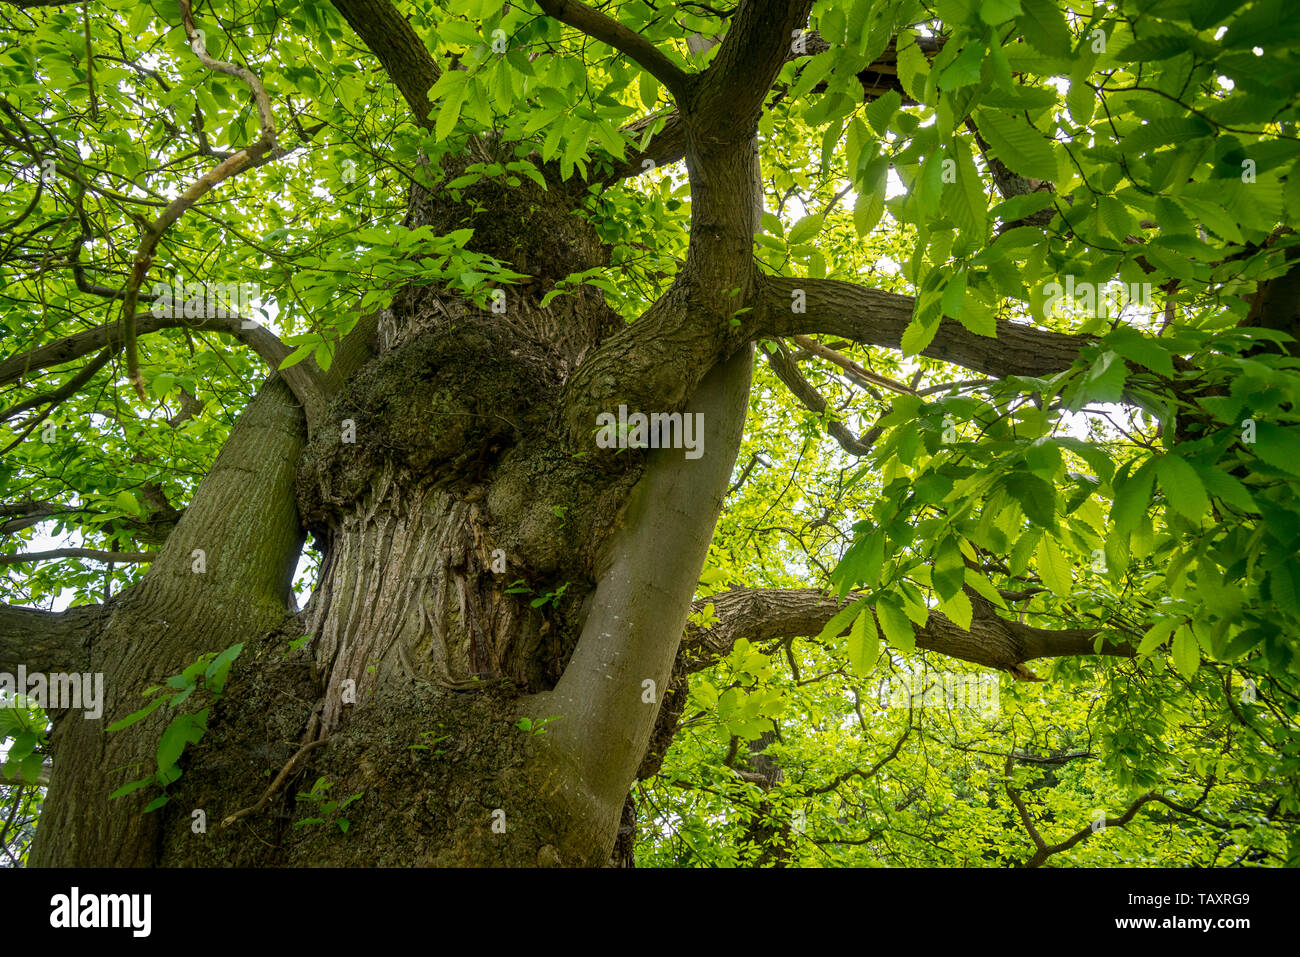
[275, 785]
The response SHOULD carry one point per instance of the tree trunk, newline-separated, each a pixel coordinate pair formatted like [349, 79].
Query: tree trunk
[469, 543]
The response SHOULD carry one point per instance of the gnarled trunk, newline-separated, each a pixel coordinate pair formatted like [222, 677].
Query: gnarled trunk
[469, 544]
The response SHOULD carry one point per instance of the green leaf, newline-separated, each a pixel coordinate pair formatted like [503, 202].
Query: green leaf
[918, 335]
[126, 789]
[1132, 496]
[140, 715]
[1036, 498]
[1182, 487]
[156, 803]
[1187, 653]
[1278, 445]
[1043, 26]
[805, 229]
[958, 610]
[840, 620]
[1054, 567]
[1157, 635]
[1021, 148]
[1131, 344]
[895, 623]
[870, 203]
[1153, 48]
[449, 113]
[949, 572]
[994, 12]
[864, 643]
[648, 90]
[880, 110]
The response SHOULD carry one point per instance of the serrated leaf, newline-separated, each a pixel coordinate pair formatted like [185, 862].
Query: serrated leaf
[1132, 496]
[918, 335]
[958, 610]
[1182, 487]
[648, 90]
[1054, 567]
[1157, 635]
[1278, 446]
[1035, 496]
[805, 229]
[895, 624]
[864, 643]
[1187, 652]
[1043, 26]
[949, 572]
[1021, 148]
[840, 620]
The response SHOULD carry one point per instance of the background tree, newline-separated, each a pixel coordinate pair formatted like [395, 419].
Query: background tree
[830, 229]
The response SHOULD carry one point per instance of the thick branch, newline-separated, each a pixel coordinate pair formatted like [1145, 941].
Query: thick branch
[46, 641]
[730, 94]
[401, 52]
[609, 31]
[762, 614]
[634, 625]
[878, 318]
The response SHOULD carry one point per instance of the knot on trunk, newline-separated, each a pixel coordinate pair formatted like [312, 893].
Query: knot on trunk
[445, 404]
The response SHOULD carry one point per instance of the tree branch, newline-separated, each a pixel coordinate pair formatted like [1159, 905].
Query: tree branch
[729, 95]
[878, 318]
[763, 614]
[94, 554]
[400, 51]
[46, 641]
[310, 386]
[237, 163]
[609, 31]
[816, 403]
[1045, 850]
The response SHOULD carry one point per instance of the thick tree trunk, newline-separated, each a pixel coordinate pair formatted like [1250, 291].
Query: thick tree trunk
[470, 543]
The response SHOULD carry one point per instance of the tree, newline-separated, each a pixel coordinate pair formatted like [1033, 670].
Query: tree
[537, 288]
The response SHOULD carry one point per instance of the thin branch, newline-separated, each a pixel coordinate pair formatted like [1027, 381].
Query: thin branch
[816, 403]
[848, 365]
[93, 554]
[240, 161]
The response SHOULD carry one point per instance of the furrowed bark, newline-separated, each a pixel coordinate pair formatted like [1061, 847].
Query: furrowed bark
[243, 525]
[46, 641]
[878, 318]
[763, 614]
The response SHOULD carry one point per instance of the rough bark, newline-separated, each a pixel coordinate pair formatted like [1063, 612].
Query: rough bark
[244, 520]
[455, 441]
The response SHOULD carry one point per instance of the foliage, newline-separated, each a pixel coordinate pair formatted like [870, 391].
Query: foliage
[328, 808]
[206, 677]
[1149, 492]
